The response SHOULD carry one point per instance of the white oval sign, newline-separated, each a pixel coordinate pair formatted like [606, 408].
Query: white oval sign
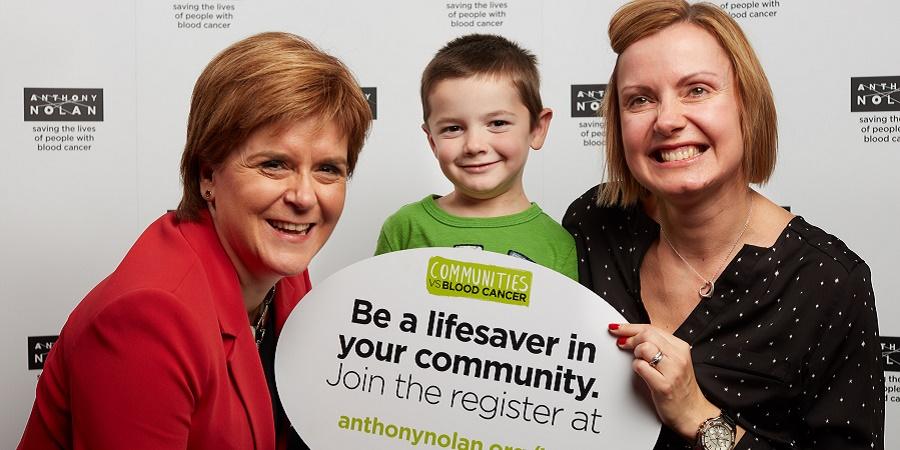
[460, 349]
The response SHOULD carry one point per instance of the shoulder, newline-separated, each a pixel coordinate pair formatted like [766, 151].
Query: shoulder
[551, 228]
[819, 252]
[160, 258]
[409, 212]
[145, 323]
[160, 279]
[585, 217]
[823, 246]
[826, 270]
[588, 198]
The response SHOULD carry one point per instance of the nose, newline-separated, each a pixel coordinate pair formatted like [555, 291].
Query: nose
[669, 117]
[301, 191]
[475, 142]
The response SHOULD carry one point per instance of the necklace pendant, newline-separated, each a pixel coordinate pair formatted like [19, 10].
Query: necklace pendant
[706, 291]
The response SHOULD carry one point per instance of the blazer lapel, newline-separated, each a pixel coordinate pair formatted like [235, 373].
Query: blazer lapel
[250, 383]
[244, 366]
[288, 293]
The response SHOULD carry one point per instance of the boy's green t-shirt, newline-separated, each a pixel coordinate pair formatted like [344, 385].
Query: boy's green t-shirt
[530, 234]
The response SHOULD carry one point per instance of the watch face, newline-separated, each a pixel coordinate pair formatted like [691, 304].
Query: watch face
[717, 437]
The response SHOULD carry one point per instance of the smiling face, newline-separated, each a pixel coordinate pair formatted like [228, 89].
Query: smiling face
[480, 133]
[277, 198]
[680, 112]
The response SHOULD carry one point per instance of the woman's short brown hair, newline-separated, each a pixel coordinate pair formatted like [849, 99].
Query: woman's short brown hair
[265, 79]
[641, 18]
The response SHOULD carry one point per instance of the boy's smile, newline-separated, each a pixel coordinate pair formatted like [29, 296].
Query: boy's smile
[480, 167]
[480, 132]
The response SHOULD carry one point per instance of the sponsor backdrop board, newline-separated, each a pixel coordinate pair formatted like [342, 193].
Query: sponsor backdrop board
[94, 97]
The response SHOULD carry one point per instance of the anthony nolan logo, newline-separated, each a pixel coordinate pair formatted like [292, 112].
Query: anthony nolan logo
[38, 347]
[450, 278]
[868, 94]
[890, 353]
[372, 97]
[586, 99]
[63, 105]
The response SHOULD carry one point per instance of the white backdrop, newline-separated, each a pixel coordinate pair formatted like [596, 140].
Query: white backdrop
[68, 216]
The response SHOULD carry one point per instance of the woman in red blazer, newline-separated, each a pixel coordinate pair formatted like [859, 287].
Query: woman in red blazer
[175, 349]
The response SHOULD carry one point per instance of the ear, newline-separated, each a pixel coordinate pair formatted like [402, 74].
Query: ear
[207, 183]
[428, 135]
[541, 128]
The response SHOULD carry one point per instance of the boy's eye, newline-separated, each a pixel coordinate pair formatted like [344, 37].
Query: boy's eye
[499, 123]
[451, 129]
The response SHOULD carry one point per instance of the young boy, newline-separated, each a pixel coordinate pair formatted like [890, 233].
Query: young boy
[483, 112]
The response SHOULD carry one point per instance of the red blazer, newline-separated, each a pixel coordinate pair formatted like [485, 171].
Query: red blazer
[159, 355]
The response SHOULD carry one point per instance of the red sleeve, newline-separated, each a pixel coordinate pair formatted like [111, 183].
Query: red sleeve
[136, 373]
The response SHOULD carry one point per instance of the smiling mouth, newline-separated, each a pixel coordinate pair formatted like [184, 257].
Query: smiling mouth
[478, 167]
[680, 153]
[290, 228]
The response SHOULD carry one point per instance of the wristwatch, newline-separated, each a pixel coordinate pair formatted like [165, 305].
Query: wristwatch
[716, 433]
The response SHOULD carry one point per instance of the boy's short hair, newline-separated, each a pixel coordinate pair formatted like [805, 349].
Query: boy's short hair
[485, 55]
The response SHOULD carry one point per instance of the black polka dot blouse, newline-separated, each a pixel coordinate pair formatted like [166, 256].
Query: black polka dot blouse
[788, 345]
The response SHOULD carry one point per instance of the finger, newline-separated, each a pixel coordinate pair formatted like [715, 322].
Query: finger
[629, 335]
[645, 350]
[667, 342]
[653, 355]
[655, 380]
[634, 334]
[627, 329]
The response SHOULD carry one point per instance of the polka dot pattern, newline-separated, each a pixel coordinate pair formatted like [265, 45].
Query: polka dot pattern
[788, 344]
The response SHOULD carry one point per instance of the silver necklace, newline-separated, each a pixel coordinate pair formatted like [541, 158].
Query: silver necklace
[259, 329]
[709, 285]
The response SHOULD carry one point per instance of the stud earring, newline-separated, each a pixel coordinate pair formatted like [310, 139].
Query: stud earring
[207, 195]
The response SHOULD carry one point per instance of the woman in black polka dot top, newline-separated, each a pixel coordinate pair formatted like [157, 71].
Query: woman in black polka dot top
[751, 328]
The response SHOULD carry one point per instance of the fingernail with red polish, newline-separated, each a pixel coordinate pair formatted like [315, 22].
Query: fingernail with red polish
[621, 340]
[613, 326]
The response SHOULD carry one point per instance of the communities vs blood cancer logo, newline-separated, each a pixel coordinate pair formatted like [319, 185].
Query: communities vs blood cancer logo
[451, 278]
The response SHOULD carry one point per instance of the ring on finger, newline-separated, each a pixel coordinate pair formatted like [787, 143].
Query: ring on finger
[656, 359]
